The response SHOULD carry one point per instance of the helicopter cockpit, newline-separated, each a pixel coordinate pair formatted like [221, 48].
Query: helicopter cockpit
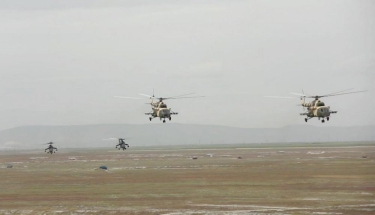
[162, 105]
[317, 103]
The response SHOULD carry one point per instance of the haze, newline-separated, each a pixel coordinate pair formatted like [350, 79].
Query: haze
[62, 61]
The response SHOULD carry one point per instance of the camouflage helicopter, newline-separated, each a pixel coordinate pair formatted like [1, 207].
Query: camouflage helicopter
[317, 108]
[50, 148]
[159, 108]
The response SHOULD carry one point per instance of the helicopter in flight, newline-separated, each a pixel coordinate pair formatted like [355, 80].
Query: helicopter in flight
[50, 148]
[121, 143]
[317, 108]
[159, 108]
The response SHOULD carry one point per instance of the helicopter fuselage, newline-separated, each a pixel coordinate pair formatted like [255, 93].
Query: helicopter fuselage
[317, 108]
[51, 149]
[161, 112]
[122, 146]
[160, 109]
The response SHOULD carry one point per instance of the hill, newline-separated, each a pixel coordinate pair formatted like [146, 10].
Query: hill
[79, 136]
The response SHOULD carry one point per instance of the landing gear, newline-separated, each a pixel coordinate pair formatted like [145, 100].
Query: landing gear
[305, 119]
[323, 121]
[150, 118]
[327, 118]
[170, 118]
[163, 120]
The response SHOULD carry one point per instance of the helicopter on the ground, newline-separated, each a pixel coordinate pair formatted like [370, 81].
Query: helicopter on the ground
[121, 143]
[317, 108]
[50, 148]
[159, 108]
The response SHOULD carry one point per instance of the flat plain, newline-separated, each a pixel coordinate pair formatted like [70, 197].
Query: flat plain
[320, 178]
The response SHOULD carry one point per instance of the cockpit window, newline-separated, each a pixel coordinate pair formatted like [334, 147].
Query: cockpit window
[163, 105]
[319, 104]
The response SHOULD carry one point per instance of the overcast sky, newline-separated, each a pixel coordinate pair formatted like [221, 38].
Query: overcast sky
[62, 61]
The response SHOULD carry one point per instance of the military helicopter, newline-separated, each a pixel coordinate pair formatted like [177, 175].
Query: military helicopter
[317, 108]
[50, 148]
[121, 143]
[159, 108]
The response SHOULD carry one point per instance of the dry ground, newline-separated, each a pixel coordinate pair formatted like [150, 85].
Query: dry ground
[292, 179]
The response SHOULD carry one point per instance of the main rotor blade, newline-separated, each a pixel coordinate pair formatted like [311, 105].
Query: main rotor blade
[179, 95]
[299, 94]
[337, 92]
[146, 95]
[124, 97]
[111, 138]
[188, 97]
[280, 97]
[346, 93]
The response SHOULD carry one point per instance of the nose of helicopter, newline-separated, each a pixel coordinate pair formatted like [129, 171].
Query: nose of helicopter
[324, 112]
[165, 112]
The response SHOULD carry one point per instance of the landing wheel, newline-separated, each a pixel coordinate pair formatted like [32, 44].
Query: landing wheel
[150, 118]
[164, 121]
[327, 118]
[322, 120]
[305, 119]
[170, 118]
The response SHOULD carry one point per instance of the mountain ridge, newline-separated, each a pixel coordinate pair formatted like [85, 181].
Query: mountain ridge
[78, 136]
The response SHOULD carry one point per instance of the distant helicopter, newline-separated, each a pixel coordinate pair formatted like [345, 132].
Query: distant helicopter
[159, 108]
[317, 108]
[121, 143]
[50, 148]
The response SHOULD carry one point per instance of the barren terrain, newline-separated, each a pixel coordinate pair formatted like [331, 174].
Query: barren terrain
[239, 179]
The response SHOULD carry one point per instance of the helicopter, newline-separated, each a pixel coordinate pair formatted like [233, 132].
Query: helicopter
[317, 108]
[121, 143]
[50, 148]
[159, 108]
